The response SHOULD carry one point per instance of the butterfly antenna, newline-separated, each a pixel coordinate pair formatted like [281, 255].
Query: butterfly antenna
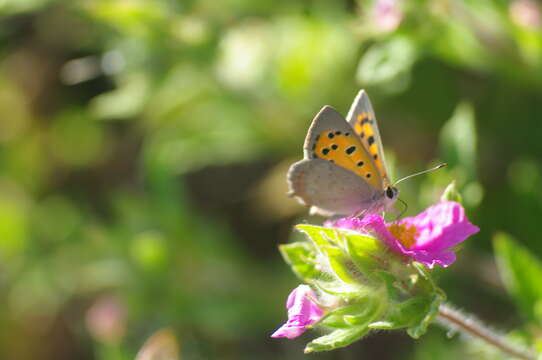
[421, 172]
[404, 211]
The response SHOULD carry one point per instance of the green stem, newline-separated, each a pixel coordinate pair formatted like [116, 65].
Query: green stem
[456, 320]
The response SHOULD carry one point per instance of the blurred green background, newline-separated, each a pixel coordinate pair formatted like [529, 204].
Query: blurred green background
[144, 146]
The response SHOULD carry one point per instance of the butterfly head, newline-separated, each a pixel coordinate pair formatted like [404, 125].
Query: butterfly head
[390, 195]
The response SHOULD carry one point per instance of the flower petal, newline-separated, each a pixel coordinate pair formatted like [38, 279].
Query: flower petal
[289, 330]
[429, 259]
[302, 312]
[441, 227]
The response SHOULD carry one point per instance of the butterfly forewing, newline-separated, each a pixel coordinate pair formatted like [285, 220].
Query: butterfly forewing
[331, 138]
[362, 119]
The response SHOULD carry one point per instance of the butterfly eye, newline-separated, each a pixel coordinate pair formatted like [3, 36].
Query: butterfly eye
[390, 193]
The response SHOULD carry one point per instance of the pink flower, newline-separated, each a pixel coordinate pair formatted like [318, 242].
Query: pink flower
[302, 312]
[427, 238]
[525, 13]
[387, 15]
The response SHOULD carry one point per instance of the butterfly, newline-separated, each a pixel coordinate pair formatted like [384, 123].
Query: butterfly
[343, 171]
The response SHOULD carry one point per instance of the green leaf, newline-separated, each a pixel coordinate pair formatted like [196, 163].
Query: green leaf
[337, 339]
[388, 64]
[458, 139]
[521, 273]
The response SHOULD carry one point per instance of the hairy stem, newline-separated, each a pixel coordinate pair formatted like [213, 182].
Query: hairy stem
[469, 325]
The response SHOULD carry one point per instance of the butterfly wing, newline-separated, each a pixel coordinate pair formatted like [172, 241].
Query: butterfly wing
[362, 119]
[337, 175]
[331, 138]
[330, 189]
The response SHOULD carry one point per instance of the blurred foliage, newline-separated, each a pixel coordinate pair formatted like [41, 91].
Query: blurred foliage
[143, 147]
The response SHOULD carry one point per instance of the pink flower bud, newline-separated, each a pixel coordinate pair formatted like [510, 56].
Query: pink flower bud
[302, 312]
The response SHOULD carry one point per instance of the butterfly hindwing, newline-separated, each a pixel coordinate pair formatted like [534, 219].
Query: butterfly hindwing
[332, 139]
[330, 189]
[362, 119]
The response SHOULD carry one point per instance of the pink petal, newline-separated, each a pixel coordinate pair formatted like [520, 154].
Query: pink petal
[441, 227]
[302, 312]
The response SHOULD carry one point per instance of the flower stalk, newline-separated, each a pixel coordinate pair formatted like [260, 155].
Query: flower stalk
[469, 325]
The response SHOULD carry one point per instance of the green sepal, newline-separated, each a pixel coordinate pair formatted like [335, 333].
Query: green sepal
[425, 284]
[405, 314]
[352, 257]
[364, 251]
[359, 313]
[419, 310]
[390, 282]
[336, 339]
[431, 312]
[350, 322]
[301, 256]
[321, 236]
[415, 314]
[329, 241]
[451, 193]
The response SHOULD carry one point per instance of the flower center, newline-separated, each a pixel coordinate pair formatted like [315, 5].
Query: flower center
[406, 234]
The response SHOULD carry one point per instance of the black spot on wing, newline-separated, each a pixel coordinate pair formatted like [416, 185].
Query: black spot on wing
[350, 150]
